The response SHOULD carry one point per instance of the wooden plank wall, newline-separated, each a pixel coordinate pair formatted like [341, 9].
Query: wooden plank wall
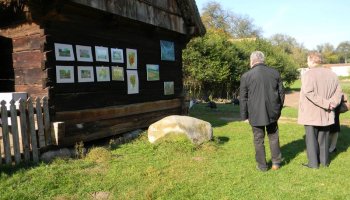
[95, 28]
[34, 67]
[27, 42]
[98, 100]
[91, 124]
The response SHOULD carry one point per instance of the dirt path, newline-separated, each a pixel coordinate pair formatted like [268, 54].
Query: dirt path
[292, 99]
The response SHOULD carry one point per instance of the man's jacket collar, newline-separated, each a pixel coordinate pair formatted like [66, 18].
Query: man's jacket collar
[258, 64]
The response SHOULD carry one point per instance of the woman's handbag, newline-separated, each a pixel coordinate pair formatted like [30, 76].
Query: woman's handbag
[344, 105]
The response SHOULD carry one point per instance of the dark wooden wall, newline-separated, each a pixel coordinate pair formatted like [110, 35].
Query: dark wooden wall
[24, 58]
[94, 110]
[96, 28]
[98, 109]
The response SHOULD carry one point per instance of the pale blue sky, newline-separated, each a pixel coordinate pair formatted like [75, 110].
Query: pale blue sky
[310, 22]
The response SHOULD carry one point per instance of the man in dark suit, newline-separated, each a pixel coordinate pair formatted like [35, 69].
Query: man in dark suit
[261, 102]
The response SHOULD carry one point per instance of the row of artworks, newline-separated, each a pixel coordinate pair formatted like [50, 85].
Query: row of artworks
[64, 52]
[65, 74]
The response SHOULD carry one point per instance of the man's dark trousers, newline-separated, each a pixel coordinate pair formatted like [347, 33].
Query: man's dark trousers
[317, 145]
[259, 135]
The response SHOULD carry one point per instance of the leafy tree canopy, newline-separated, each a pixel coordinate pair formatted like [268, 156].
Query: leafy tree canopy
[290, 46]
[214, 17]
[214, 63]
[343, 50]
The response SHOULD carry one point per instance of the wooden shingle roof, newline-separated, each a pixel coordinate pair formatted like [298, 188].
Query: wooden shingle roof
[177, 15]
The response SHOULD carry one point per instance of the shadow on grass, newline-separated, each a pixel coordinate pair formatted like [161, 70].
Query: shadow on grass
[221, 140]
[291, 90]
[221, 116]
[9, 170]
[343, 142]
[292, 149]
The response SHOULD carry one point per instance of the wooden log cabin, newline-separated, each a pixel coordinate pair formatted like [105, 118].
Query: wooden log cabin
[107, 66]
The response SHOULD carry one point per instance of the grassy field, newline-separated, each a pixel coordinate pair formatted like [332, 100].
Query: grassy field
[221, 169]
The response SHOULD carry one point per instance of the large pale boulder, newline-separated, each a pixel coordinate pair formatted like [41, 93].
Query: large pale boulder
[198, 131]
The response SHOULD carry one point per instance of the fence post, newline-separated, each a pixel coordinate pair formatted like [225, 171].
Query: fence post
[39, 117]
[31, 129]
[57, 131]
[25, 138]
[5, 133]
[47, 121]
[14, 131]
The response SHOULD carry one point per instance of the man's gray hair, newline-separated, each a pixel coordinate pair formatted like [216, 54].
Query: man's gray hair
[257, 57]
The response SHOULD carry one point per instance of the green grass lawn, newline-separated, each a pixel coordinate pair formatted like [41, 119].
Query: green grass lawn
[221, 169]
[295, 86]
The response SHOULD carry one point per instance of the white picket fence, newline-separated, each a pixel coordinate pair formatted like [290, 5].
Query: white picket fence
[24, 129]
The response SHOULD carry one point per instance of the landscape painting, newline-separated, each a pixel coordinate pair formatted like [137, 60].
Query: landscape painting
[102, 74]
[84, 53]
[152, 72]
[64, 74]
[86, 74]
[169, 88]
[117, 73]
[101, 54]
[64, 52]
[117, 55]
[167, 50]
[133, 81]
[131, 58]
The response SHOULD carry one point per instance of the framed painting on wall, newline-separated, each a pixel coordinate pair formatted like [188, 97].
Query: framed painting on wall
[64, 52]
[152, 72]
[86, 74]
[117, 73]
[101, 54]
[167, 50]
[84, 53]
[117, 55]
[131, 58]
[133, 81]
[102, 74]
[169, 88]
[64, 74]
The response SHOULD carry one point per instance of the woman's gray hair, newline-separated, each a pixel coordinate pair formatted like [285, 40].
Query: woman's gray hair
[257, 57]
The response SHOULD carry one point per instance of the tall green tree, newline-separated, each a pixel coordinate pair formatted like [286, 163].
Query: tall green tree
[328, 53]
[275, 58]
[343, 49]
[290, 46]
[215, 18]
[212, 65]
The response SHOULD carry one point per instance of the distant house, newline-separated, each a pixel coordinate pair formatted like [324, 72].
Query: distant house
[339, 69]
[107, 66]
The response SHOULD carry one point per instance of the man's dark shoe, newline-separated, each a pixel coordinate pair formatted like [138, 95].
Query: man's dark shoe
[308, 166]
[261, 169]
[334, 150]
